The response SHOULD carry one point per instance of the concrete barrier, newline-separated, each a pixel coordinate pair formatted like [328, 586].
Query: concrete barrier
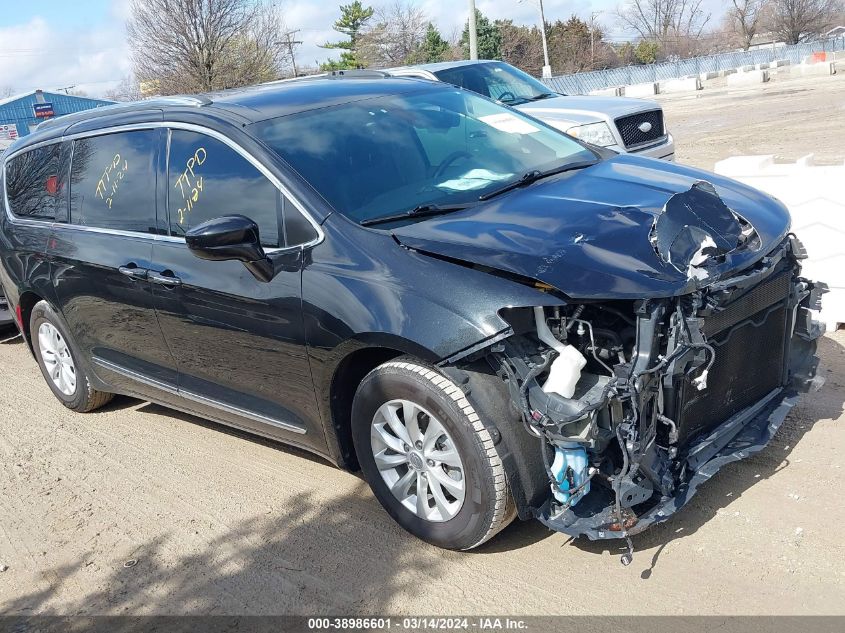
[747, 69]
[748, 78]
[779, 63]
[680, 85]
[607, 92]
[813, 195]
[819, 68]
[729, 71]
[642, 90]
[616, 91]
[763, 66]
[708, 76]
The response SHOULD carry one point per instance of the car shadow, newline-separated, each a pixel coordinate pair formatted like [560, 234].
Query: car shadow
[309, 557]
[734, 479]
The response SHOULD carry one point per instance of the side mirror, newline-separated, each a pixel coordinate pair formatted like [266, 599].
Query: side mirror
[231, 237]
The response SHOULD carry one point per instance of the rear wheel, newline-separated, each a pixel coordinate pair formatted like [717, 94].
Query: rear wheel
[428, 458]
[59, 361]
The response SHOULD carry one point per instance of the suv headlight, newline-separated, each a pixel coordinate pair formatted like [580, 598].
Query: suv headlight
[594, 133]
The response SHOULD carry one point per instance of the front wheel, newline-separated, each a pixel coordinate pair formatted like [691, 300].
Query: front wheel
[428, 458]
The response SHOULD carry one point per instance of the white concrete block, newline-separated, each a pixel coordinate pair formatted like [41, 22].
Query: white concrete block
[813, 195]
[821, 68]
[748, 78]
[729, 71]
[607, 92]
[763, 66]
[708, 76]
[680, 85]
[642, 90]
[747, 69]
[779, 63]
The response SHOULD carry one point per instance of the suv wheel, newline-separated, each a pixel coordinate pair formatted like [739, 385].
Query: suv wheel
[59, 361]
[427, 457]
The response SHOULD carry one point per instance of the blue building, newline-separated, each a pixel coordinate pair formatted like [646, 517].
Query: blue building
[20, 114]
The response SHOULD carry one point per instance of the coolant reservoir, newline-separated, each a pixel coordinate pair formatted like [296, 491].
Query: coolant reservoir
[565, 371]
[566, 368]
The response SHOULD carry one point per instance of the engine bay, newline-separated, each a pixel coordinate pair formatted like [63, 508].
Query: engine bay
[630, 400]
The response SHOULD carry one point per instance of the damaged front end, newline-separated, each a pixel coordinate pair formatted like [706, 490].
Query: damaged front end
[635, 403]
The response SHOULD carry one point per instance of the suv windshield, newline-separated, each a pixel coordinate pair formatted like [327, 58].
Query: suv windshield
[389, 155]
[496, 80]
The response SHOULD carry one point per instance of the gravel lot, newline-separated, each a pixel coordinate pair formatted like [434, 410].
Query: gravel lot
[219, 523]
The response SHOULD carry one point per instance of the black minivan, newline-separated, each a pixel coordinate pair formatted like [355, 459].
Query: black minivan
[487, 317]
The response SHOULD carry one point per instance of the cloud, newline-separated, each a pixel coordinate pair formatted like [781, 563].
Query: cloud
[37, 54]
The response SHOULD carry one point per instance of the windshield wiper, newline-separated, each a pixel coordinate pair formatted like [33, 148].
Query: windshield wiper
[535, 175]
[545, 95]
[421, 211]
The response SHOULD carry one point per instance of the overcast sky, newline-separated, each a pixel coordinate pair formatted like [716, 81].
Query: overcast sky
[52, 44]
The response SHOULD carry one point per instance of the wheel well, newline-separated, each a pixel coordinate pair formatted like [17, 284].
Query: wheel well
[26, 303]
[348, 376]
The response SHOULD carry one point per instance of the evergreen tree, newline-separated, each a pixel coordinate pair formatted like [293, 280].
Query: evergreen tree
[353, 19]
[433, 48]
[489, 38]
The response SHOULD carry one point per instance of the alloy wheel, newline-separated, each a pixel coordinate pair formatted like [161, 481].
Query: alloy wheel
[418, 460]
[56, 357]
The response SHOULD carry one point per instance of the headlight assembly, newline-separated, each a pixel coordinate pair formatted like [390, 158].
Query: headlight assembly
[594, 133]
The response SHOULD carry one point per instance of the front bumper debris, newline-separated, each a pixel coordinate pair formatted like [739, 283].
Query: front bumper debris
[595, 516]
[673, 390]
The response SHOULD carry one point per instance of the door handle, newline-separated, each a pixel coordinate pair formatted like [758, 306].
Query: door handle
[133, 272]
[164, 279]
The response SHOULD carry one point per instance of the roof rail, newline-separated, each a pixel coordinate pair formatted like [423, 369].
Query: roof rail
[358, 74]
[187, 100]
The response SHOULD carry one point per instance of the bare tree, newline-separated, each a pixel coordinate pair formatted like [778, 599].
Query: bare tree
[670, 23]
[127, 90]
[396, 37]
[744, 18]
[794, 19]
[202, 45]
[6, 92]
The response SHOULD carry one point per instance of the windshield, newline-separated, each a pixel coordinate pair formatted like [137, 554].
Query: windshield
[496, 80]
[383, 156]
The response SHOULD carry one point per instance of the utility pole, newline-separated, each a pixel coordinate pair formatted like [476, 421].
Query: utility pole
[290, 43]
[593, 17]
[473, 32]
[547, 69]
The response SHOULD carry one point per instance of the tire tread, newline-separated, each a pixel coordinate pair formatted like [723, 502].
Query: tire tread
[504, 510]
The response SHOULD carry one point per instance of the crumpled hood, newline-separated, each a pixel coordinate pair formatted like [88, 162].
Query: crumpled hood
[588, 232]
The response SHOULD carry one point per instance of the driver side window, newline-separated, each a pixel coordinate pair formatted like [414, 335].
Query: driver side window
[207, 179]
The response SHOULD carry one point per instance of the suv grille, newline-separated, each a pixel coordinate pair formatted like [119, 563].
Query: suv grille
[633, 136]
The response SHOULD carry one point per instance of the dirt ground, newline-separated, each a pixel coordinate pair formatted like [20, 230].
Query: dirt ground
[138, 509]
[789, 117]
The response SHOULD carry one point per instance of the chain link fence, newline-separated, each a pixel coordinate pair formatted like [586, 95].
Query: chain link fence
[582, 83]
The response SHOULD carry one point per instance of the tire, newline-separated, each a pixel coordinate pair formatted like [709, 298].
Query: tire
[76, 394]
[475, 502]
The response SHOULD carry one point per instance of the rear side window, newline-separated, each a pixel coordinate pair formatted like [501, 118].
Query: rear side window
[113, 182]
[208, 179]
[35, 183]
